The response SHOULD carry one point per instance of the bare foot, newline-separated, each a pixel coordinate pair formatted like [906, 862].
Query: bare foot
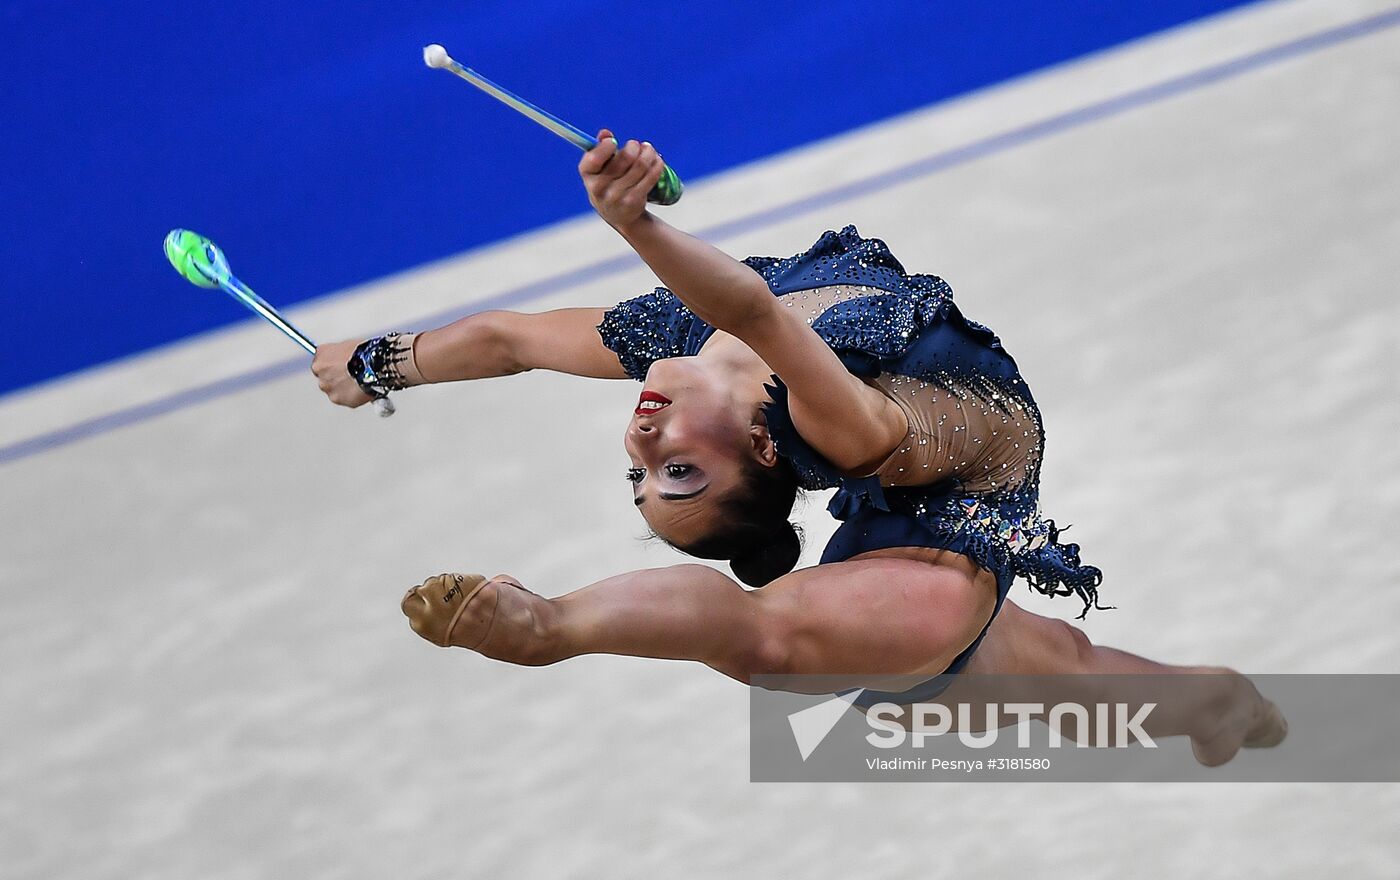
[1270, 730]
[1241, 718]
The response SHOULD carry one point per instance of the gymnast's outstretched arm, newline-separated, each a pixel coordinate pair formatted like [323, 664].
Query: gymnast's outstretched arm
[500, 343]
[484, 345]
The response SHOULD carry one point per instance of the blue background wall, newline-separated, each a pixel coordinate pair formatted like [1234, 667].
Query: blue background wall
[309, 141]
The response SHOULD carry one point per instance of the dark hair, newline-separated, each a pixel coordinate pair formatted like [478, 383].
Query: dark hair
[754, 533]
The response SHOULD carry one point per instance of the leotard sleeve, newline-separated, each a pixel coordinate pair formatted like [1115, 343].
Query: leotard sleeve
[652, 327]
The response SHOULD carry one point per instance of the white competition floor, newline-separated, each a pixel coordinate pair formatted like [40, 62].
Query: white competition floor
[1189, 245]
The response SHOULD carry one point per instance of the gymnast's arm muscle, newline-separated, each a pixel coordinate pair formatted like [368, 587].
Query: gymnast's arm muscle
[850, 423]
[500, 343]
[719, 289]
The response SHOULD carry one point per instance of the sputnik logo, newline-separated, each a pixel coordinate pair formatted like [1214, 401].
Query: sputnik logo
[812, 725]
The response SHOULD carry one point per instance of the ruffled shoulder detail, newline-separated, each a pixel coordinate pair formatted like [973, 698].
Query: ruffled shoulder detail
[844, 258]
[836, 258]
[868, 328]
[649, 328]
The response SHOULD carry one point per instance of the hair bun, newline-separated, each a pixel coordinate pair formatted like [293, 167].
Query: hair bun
[775, 558]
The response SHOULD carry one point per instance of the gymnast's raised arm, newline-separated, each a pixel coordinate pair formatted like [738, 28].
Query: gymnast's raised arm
[852, 424]
[720, 290]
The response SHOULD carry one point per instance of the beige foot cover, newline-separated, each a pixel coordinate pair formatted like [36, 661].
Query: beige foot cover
[438, 606]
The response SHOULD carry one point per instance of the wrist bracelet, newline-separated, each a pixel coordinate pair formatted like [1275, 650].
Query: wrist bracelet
[385, 363]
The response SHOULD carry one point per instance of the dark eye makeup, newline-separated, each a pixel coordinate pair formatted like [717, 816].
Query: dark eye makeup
[674, 471]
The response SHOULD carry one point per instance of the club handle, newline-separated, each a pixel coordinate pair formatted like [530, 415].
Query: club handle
[668, 188]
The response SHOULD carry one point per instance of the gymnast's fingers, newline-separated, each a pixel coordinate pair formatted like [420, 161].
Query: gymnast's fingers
[623, 161]
[333, 378]
[593, 161]
[639, 167]
[655, 169]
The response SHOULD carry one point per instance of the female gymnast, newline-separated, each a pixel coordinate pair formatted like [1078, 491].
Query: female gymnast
[832, 368]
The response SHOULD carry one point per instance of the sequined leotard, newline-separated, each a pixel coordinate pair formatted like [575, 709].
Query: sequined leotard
[963, 427]
[967, 476]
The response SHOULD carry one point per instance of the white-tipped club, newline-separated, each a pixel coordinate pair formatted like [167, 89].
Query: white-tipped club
[436, 56]
[666, 192]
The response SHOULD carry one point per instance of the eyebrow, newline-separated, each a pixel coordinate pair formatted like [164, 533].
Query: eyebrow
[673, 496]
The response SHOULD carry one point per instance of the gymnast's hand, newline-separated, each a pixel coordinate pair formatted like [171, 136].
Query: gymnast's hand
[618, 181]
[335, 380]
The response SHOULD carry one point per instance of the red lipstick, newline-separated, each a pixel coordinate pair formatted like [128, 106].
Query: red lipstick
[651, 403]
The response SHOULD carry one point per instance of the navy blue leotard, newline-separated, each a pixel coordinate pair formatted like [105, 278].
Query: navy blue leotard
[898, 325]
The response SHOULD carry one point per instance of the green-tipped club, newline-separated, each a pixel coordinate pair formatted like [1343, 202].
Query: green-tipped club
[202, 264]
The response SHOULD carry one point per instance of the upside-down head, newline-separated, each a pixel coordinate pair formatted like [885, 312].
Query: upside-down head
[706, 476]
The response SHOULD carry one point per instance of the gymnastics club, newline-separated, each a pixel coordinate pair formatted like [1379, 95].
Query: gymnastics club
[204, 265]
[667, 190]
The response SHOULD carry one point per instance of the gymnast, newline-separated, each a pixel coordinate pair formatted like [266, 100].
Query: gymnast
[833, 368]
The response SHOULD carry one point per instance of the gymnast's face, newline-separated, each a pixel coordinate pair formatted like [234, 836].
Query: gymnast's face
[689, 441]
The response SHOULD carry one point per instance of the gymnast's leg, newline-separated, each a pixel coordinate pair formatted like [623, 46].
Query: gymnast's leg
[1217, 707]
[864, 618]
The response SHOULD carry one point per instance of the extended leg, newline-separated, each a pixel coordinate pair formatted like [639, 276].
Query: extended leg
[875, 617]
[1217, 707]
